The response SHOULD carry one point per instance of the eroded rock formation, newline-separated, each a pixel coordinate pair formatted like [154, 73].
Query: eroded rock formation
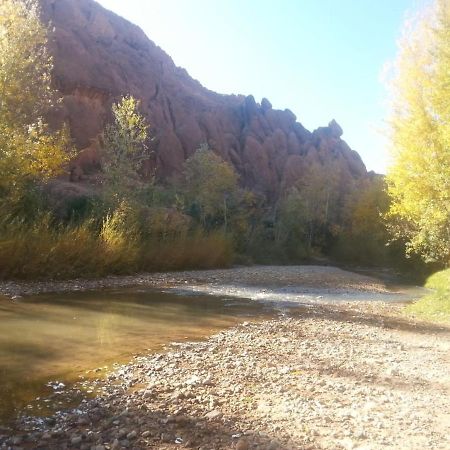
[100, 56]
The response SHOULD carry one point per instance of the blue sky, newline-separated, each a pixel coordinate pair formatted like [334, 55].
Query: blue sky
[322, 59]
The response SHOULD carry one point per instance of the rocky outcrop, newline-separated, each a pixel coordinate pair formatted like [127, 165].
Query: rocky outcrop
[99, 57]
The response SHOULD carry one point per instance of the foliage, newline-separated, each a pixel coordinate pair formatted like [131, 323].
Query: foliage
[28, 151]
[125, 148]
[364, 236]
[210, 187]
[436, 305]
[39, 249]
[25, 65]
[30, 155]
[419, 179]
[119, 236]
[191, 250]
[293, 226]
[43, 249]
[308, 216]
[130, 227]
[201, 221]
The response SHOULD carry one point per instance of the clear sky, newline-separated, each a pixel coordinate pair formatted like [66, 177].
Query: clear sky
[322, 59]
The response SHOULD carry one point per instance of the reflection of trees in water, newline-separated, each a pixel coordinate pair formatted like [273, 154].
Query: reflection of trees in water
[108, 324]
[46, 336]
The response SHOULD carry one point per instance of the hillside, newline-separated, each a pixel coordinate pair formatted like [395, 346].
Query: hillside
[100, 56]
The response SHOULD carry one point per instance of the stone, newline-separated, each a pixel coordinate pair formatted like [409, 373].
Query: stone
[76, 440]
[214, 414]
[122, 433]
[132, 435]
[167, 437]
[265, 104]
[335, 129]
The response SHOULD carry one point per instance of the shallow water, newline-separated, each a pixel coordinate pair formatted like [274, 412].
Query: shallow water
[290, 297]
[63, 337]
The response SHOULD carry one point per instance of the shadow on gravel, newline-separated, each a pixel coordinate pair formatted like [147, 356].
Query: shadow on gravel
[141, 429]
[330, 312]
[387, 381]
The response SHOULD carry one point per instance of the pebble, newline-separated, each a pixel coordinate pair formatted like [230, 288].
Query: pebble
[76, 440]
[212, 415]
[132, 435]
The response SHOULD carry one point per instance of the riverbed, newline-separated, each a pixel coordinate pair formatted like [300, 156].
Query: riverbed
[57, 333]
[312, 357]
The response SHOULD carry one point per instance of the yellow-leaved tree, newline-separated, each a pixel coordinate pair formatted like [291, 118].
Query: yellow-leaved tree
[124, 150]
[210, 186]
[419, 177]
[28, 150]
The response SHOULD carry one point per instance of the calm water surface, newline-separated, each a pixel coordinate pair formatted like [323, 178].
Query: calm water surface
[60, 337]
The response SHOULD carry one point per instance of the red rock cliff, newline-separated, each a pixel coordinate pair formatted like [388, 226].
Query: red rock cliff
[100, 56]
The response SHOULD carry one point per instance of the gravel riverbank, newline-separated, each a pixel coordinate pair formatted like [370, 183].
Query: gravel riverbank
[301, 278]
[347, 375]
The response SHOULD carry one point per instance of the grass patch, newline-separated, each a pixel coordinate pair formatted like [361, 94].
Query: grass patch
[44, 251]
[436, 305]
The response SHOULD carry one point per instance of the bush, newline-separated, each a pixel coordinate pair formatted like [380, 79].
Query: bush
[44, 250]
[40, 250]
[196, 250]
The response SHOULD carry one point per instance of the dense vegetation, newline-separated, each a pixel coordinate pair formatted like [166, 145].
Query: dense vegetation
[131, 222]
[419, 178]
[28, 151]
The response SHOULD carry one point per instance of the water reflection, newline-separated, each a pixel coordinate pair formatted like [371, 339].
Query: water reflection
[60, 336]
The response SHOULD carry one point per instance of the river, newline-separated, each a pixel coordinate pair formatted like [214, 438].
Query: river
[50, 341]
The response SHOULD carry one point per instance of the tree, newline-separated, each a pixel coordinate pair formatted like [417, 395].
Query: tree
[364, 237]
[28, 151]
[124, 143]
[210, 186]
[419, 178]
[310, 209]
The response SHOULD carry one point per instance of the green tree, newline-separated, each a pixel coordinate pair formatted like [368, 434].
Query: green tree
[311, 208]
[293, 226]
[419, 178]
[363, 237]
[124, 149]
[28, 151]
[210, 187]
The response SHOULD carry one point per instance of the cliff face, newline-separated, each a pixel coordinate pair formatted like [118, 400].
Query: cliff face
[100, 56]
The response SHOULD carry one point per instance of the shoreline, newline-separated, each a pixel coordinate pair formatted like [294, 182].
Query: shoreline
[341, 376]
[322, 375]
[310, 278]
